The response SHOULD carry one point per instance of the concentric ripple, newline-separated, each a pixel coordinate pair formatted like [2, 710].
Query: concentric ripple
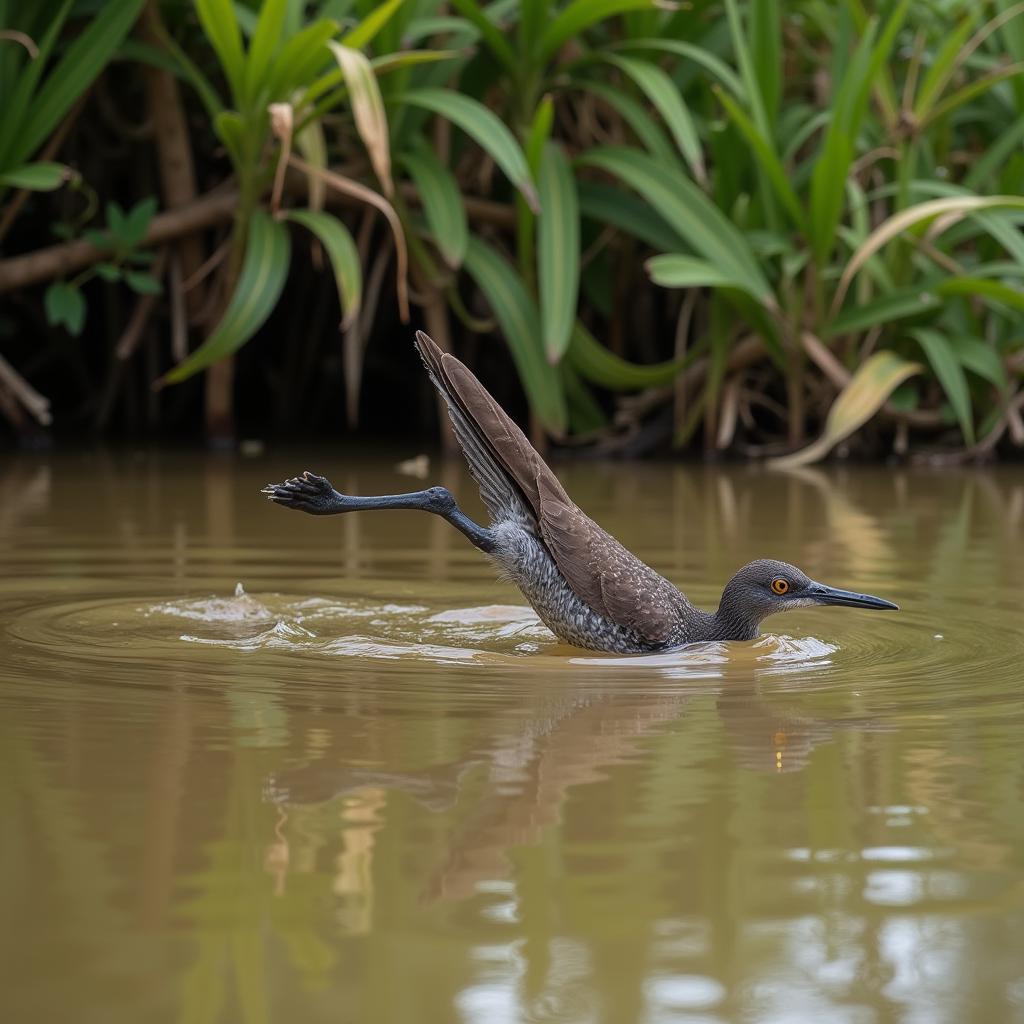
[878, 670]
[501, 635]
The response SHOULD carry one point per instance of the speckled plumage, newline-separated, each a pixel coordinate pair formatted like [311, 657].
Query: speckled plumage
[587, 588]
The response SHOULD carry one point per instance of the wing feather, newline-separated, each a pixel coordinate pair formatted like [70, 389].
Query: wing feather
[600, 571]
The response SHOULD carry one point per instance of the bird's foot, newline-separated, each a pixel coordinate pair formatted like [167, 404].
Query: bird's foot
[307, 493]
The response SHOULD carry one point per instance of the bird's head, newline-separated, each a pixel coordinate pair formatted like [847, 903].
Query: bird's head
[767, 586]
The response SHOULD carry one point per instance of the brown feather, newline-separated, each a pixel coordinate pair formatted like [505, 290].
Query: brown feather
[604, 574]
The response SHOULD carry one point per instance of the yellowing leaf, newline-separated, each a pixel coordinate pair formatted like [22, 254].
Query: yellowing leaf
[905, 219]
[866, 393]
[367, 109]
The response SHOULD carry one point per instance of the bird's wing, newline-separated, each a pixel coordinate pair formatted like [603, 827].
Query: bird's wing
[499, 491]
[604, 574]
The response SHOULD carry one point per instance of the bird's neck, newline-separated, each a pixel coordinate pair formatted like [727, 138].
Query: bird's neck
[730, 623]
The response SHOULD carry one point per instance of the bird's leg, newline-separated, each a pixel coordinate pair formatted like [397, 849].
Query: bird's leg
[315, 495]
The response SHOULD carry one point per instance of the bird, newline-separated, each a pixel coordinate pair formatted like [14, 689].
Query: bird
[585, 586]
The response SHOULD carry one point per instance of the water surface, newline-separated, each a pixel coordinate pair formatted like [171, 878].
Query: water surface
[261, 767]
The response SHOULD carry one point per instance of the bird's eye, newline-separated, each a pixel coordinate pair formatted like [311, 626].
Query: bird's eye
[780, 585]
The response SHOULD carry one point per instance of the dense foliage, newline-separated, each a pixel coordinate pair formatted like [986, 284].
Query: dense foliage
[743, 224]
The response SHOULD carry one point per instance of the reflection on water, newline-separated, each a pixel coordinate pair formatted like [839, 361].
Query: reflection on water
[254, 768]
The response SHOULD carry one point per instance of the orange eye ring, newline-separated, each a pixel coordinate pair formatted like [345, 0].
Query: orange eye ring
[780, 586]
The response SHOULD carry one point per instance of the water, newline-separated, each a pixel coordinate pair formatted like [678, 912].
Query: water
[367, 786]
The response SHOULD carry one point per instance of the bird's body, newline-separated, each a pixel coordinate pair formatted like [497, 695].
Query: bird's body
[587, 588]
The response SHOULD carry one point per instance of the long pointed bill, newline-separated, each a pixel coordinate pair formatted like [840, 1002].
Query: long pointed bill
[833, 595]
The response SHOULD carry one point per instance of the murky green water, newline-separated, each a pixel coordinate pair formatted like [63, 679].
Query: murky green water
[374, 789]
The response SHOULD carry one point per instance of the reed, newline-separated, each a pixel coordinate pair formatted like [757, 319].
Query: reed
[760, 228]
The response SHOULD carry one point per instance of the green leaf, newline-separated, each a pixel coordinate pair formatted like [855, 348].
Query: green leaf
[312, 144]
[908, 218]
[491, 34]
[221, 27]
[38, 177]
[765, 32]
[108, 271]
[943, 358]
[65, 305]
[980, 358]
[767, 158]
[941, 68]
[751, 86]
[100, 239]
[828, 179]
[264, 270]
[18, 100]
[656, 85]
[983, 288]
[692, 213]
[364, 33]
[636, 119]
[300, 59]
[344, 257]
[558, 250]
[265, 41]
[144, 284]
[698, 54]
[673, 270]
[85, 57]
[367, 109]
[600, 366]
[581, 14]
[442, 203]
[136, 223]
[875, 380]
[411, 58]
[485, 128]
[609, 205]
[585, 414]
[972, 91]
[230, 128]
[539, 133]
[895, 306]
[117, 223]
[533, 14]
[520, 324]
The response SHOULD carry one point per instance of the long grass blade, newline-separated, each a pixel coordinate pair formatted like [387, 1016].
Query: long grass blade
[828, 179]
[265, 41]
[221, 27]
[767, 159]
[689, 51]
[442, 203]
[656, 85]
[489, 32]
[601, 366]
[38, 177]
[366, 31]
[264, 271]
[341, 250]
[520, 324]
[76, 70]
[558, 250]
[485, 128]
[946, 364]
[906, 219]
[581, 14]
[690, 212]
[673, 270]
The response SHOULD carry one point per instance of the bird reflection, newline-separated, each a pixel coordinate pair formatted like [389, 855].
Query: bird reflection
[515, 781]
